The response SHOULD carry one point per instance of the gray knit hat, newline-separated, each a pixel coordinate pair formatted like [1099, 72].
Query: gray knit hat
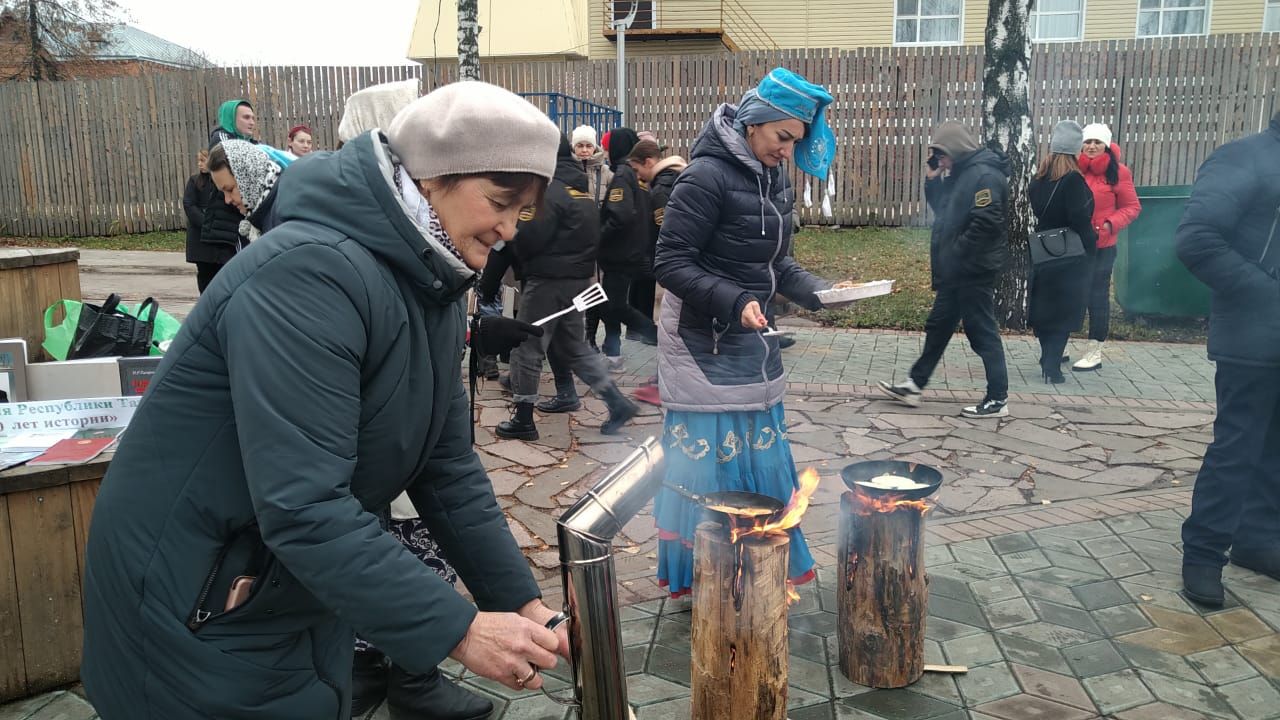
[473, 127]
[952, 138]
[1067, 138]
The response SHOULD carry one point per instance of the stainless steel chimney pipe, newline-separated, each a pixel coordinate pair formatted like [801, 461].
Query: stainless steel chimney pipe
[586, 535]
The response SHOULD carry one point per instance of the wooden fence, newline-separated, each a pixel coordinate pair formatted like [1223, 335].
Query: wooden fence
[105, 156]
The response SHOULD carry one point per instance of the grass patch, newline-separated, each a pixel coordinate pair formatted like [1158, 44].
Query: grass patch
[173, 241]
[902, 254]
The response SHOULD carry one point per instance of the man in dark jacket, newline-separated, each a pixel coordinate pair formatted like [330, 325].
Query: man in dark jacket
[967, 187]
[555, 249]
[624, 241]
[1230, 239]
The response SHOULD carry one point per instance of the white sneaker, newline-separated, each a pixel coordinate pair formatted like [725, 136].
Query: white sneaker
[616, 363]
[1092, 359]
[988, 408]
[907, 392]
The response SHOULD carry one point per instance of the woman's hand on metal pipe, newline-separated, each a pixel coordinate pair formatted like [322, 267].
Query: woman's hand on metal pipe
[507, 648]
[753, 318]
[541, 614]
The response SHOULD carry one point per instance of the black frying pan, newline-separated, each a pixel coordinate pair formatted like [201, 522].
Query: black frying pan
[744, 504]
[870, 469]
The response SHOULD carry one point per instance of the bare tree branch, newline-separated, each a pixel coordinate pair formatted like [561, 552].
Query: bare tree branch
[54, 32]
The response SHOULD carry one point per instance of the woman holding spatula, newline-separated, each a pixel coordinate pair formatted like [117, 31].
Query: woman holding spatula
[722, 256]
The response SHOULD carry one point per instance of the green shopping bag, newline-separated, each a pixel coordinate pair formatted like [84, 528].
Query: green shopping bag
[58, 338]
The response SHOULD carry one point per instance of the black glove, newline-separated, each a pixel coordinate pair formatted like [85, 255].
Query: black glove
[497, 335]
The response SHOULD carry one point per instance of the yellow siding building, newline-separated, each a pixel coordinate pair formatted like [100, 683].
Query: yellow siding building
[575, 29]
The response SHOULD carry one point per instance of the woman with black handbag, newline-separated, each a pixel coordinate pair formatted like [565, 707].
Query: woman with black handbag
[1062, 247]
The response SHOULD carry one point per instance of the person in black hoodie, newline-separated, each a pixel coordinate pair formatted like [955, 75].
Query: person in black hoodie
[210, 237]
[556, 252]
[624, 240]
[1230, 239]
[1061, 198]
[966, 187]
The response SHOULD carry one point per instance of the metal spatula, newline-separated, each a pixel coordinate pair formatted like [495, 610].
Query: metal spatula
[582, 302]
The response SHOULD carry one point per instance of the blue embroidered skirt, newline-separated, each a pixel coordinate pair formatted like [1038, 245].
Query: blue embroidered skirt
[716, 452]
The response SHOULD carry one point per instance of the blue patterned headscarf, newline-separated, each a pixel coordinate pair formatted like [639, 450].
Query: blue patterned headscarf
[783, 95]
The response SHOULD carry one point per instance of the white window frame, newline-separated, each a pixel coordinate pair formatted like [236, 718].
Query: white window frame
[1035, 17]
[917, 17]
[1137, 20]
[613, 10]
[1269, 7]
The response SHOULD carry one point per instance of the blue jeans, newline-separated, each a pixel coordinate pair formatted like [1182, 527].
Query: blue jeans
[1236, 500]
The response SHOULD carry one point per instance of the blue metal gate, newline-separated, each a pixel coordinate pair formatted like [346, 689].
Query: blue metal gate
[569, 112]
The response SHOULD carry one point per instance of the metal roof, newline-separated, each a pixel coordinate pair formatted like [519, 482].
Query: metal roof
[125, 42]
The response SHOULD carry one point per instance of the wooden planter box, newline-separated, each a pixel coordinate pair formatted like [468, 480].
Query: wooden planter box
[32, 279]
[44, 522]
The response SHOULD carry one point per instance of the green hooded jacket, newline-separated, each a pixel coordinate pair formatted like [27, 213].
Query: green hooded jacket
[226, 127]
[317, 378]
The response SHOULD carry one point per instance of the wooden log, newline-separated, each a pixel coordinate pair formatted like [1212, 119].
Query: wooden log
[882, 598]
[739, 653]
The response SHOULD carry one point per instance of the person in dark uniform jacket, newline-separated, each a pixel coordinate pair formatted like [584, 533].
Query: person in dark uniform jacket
[1061, 198]
[1230, 239]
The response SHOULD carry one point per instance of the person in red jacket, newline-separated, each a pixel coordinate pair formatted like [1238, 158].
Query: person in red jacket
[1115, 205]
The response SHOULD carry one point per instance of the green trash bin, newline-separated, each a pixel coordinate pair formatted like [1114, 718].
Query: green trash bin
[1150, 279]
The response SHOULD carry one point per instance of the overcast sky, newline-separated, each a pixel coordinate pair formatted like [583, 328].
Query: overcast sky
[276, 32]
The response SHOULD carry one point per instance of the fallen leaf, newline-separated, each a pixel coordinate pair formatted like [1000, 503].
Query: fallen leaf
[1145, 598]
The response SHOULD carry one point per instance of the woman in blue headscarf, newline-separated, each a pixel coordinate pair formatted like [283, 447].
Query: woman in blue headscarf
[722, 256]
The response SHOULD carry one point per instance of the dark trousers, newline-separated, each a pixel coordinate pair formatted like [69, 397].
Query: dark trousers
[1236, 501]
[644, 292]
[618, 311]
[1100, 293]
[976, 306]
[1052, 346]
[561, 338]
[204, 274]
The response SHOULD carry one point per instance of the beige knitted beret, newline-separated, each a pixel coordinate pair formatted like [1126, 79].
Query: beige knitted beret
[473, 127]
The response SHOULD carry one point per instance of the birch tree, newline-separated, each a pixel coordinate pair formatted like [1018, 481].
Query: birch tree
[468, 40]
[1006, 126]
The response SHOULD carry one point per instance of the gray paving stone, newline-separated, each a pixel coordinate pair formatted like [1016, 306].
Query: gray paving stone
[1223, 665]
[1068, 617]
[1096, 415]
[1172, 420]
[942, 585]
[956, 610]
[1064, 576]
[1009, 613]
[1053, 635]
[1049, 541]
[987, 683]
[1157, 661]
[1015, 445]
[1121, 619]
[1031, 432]
[1106, 546]
[942, 630]
[521, 453]
[1118, 566]
[65, 706]
[1117, 691]
[1060, 594]
[1020, 562]
[1095, 658]
[939, 686]
[1254, 699]
[899, 704]
[1056, 489]
[1095, 596]
[680, 707]
[1043, 467]
[1126, 475]
[1030, 652]
[647, 690]
[1186, 694]
[1011, 543]
[995, 590]
[973, 650]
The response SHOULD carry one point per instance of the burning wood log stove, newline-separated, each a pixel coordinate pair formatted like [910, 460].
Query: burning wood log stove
[740, 597]
[883, 596]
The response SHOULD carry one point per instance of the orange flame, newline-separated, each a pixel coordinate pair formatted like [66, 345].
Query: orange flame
[792, 595]
[786, 518]
[864, 503]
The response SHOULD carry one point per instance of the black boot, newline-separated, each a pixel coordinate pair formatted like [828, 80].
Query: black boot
[487, 367]
[432, 697]
[1203, 584]
[621, 410]
[368, 682]
[520, 426]
[562, 402]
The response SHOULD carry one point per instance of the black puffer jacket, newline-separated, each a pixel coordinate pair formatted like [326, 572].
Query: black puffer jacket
[559, 239]
[723, 243]
[221, 231]
[969, 244]
[1230, 239]
[200, 195]
[625, 221]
